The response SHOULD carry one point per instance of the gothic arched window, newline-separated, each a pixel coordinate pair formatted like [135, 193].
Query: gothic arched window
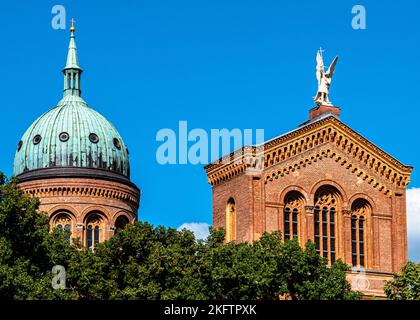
[360, 213]
[121, 222]
[230, 220]
[293, 206]
[89, 236]
[94, 230]
[67, 231]
[63, 223]
[286, 223]
[96, 235]
[327, 205]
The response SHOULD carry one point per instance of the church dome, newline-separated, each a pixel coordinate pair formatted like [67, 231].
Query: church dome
[72, 134]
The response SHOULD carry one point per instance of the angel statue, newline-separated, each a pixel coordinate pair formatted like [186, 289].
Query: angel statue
[324, 80]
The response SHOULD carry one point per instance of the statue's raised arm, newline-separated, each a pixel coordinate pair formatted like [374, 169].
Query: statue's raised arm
[319, 66]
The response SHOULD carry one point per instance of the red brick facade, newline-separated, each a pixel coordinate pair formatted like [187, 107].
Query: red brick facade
[323, 161]
[83, 203]
[320, 110]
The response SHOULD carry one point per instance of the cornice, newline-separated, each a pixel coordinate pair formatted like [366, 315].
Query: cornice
[328, 131]
[131, 198]
[328, 151]
[78, 182]
[74, 172]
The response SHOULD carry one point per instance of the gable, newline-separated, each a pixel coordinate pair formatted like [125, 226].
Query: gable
[338, 161]
[330, 138]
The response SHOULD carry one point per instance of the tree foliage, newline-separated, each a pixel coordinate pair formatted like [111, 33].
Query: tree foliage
[27, 249]
[406, 285]
[146, 262]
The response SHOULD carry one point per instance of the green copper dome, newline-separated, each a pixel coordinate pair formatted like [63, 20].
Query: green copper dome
[72, 134]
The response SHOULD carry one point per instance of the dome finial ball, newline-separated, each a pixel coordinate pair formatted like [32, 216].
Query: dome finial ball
[72, 28]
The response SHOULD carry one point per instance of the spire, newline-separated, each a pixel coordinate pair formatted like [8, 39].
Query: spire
[72, 71]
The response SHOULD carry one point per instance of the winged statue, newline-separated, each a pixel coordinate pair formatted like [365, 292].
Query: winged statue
[324, 79]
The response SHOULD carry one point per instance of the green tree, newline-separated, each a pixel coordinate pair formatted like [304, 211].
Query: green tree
[406, 285]
[142, 262]
[28, 250]
[270, 269]
[146, 262]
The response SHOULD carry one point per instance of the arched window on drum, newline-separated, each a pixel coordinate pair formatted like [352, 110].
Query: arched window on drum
[94, 230]
[63, 222]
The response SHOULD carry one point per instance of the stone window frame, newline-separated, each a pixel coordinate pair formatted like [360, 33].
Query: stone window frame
[361, 210]
[294, 203]
[62, 218]
[328, 204]
[94, 219]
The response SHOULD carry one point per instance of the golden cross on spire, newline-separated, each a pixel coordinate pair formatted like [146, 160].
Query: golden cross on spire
[72, 28]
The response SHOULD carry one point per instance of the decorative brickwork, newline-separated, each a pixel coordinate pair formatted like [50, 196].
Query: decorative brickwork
[331, 175]
[84, 203]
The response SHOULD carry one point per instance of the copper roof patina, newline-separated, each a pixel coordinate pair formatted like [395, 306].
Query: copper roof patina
[72, 134]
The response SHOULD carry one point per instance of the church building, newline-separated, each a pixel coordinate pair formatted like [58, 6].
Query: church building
[322, 182]
[76, 163]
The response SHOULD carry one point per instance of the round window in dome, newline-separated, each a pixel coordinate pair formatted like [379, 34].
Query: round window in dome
[93, 137]
[37, 139]
[19, 145]
[64, 136]
[117, 143]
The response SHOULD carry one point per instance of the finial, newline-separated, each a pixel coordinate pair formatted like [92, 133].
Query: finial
[72, 71]
[72, 28]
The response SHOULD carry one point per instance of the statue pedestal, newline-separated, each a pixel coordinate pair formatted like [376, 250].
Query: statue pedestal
[322, 109]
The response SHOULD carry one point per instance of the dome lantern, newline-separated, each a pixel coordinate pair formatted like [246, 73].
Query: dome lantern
[72, 71]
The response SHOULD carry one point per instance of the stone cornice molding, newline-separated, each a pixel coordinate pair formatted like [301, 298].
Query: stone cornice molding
[47, 190]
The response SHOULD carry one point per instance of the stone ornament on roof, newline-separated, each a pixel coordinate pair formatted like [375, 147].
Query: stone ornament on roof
[324, 80]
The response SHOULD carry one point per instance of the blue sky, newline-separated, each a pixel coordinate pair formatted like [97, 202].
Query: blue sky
[216, 64]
